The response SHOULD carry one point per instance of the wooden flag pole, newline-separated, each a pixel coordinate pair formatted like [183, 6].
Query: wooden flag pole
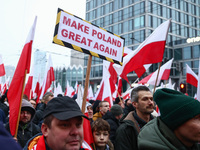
[20, 105]
[86, 83]
[157, 77]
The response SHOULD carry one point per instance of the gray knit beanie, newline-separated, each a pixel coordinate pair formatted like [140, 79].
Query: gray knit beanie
[116, 110]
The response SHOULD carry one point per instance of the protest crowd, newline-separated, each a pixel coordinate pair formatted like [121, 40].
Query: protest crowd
[159, 119]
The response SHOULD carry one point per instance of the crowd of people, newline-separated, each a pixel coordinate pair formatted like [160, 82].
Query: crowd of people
[56, 123]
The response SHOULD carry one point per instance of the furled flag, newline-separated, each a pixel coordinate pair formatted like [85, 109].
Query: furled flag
[119, 87]
[17, 85]
[191, 77]
[76, 87]
[127, 94]
[57, 90]
[104, 91]
[37, 88]
[49, 77]
[198, 85]
[69, 90]
[2, 69]
[28, 91]
[90, 94]
[163, 74]
[148, 52]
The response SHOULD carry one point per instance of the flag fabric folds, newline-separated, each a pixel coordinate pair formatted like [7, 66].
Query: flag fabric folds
[49, 77]
[16, 87]
[191, 77]
[163, 74]
[2, 68]
[198, 85]
[148, 52]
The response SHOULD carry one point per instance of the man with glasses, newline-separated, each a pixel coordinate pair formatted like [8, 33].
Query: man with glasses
[27, 128]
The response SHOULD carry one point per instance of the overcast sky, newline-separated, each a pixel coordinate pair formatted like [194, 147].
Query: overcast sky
[17, 16]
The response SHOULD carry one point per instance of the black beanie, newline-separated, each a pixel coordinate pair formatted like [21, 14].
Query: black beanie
[175, 107]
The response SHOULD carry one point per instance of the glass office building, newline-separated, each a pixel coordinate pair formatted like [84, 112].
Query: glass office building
[136, 19]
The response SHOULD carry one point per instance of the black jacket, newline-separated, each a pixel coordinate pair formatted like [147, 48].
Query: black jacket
[25, 132]
[38, 118]
[114, 124]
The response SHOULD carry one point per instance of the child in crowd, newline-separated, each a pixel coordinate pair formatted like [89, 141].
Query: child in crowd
[101, 132]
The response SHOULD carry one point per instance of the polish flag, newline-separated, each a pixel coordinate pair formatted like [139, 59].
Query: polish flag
[76, 87]
[104, 91]
[58, 89]
[87, 131]
[49, 77]
[69, 90]
[163, 74]
[191, 77]
[2, 69]
[17, 85]
[119, 87]
[198, 85]
[140, 71]
[148, 52]
[28, 91]
[127, 94]
[90, 93]
[37, 89]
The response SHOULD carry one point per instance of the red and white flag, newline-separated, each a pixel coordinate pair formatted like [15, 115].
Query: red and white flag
[163, 74]
[17, 85]
[90, 94]
[119, 87]
[2, 68]
[58, 89]
[28, 91]
[104, 92]
[198, 85]
[148, 52]
[141, 70]
[69, 90]
[191, 77]
[76, 87]
[49, 77]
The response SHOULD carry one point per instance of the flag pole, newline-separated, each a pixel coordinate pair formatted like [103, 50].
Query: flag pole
[20, 105]
[86, 83]
[157, 77]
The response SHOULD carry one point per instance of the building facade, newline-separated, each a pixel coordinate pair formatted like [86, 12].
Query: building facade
[71, 74]
[135, 20]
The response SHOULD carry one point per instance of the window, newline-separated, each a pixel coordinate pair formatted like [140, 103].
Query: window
[178, 54]
[125, 26]
[196, 51]
[186, 52]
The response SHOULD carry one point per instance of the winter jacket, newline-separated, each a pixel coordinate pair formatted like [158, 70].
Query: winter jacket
[38, 118]
[157, 136]
[97, 115]
[126, 134]
[25, 132]
[28, 130]
[114, 124]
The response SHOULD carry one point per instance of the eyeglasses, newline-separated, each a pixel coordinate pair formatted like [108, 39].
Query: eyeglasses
[25, 112]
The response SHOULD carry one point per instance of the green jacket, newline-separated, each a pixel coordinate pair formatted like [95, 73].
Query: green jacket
[155, 135]
[126, 134]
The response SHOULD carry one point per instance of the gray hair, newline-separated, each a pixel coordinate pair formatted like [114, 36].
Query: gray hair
[134, 92]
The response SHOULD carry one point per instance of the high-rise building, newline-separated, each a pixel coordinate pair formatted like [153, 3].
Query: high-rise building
[135, 20]
[40, 62]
